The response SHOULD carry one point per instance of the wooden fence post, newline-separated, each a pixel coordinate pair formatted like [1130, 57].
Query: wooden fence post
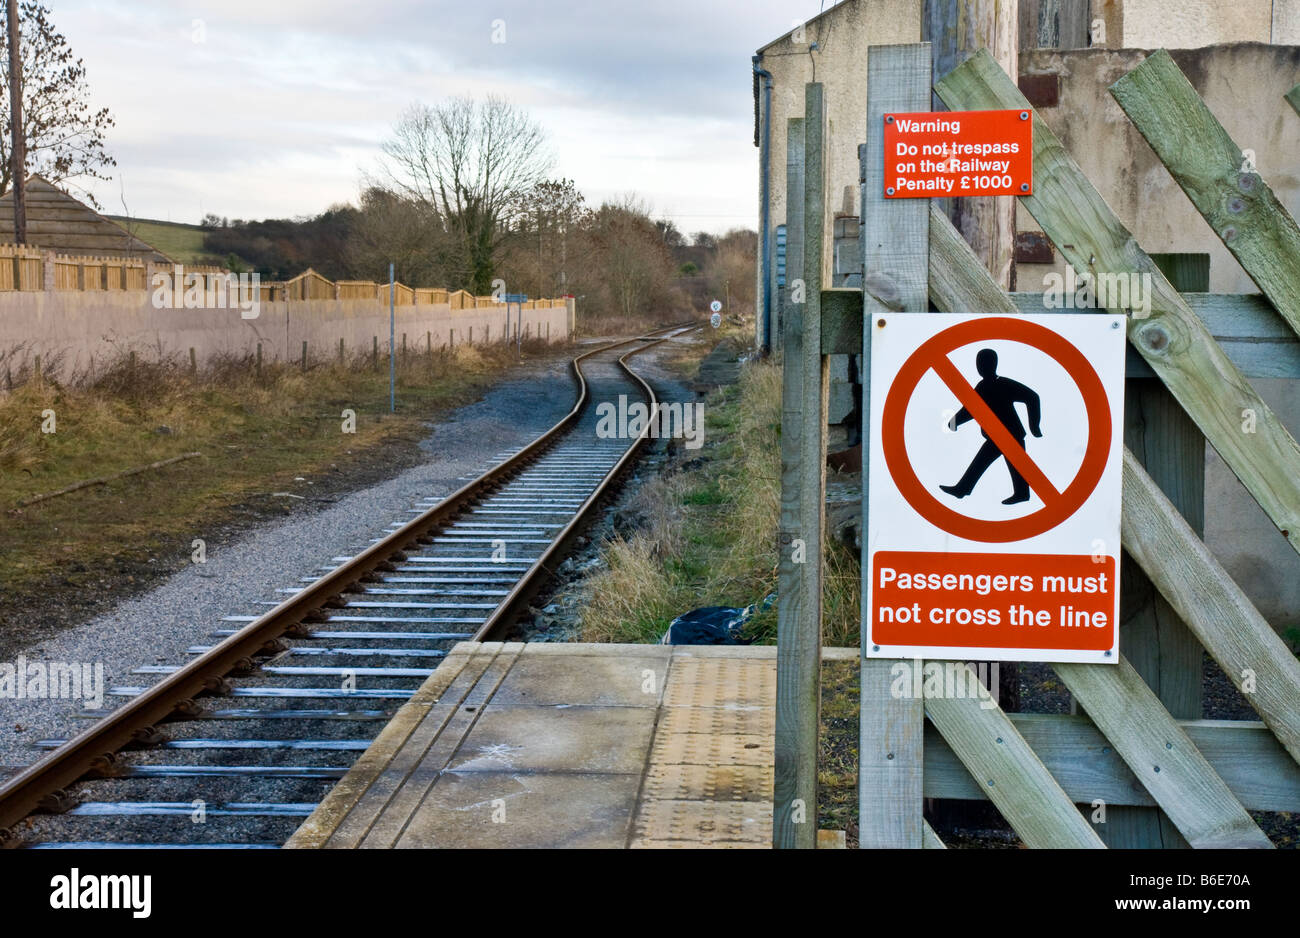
[803, 510]
[895, 278]
[958, 29]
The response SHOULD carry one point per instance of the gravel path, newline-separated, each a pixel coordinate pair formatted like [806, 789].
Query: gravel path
[158, 626]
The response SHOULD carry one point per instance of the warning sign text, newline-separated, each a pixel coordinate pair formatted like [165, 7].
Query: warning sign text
[993, 600]
[963, 153]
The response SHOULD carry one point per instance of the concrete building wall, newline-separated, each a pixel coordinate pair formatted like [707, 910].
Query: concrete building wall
[841, 37]
[1242, 84]
[1262, 57]
[1191, 24]
[76, 330]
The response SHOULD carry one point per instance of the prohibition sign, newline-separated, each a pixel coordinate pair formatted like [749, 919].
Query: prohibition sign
[932, 355]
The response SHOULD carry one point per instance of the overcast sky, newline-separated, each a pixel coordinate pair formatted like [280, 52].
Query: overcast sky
[275, 108]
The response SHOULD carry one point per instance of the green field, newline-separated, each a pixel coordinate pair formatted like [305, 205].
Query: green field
[183, 243]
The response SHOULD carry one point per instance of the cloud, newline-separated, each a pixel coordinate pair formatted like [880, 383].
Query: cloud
[256, 109]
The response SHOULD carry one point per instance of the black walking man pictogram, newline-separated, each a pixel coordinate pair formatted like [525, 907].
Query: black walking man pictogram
[1001, 395]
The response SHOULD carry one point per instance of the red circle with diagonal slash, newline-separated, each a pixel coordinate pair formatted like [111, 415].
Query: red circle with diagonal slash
[933, 356]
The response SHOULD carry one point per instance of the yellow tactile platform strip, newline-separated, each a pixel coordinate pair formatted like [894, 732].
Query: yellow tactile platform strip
[568, 745]
[709, 781]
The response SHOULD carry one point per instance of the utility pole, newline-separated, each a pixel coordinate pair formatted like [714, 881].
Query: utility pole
[19, 142]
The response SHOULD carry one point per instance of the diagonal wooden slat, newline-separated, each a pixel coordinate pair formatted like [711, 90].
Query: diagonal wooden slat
[1255, 659]
[1293, 98]
[1244, 753]
[929, 839]
[1162, 756]
[1004, 765]
[1204, 160]
[1173, 340]
[1168, 550]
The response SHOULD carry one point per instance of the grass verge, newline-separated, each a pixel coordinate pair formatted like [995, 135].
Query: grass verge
[271, 439]
[707, 533]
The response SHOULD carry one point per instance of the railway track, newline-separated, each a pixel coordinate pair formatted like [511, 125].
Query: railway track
[233, 748]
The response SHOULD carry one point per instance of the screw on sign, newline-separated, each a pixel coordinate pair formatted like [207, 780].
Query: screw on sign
[1017, 557]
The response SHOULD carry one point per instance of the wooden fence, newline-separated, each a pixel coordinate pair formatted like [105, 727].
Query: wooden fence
[21, 268]
[1164, 775]
[33, 269]
[310, 285]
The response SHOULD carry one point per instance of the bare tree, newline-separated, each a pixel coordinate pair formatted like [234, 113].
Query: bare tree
[392, 228]
[634, 263]
[546, 218]
[731, 270]
[64, 136]
[471, 162]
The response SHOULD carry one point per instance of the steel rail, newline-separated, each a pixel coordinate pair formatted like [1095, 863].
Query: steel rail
[42, 785]
[532, 578]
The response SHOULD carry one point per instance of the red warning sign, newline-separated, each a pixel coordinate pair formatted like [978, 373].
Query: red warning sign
[958, 153]
[994, 496]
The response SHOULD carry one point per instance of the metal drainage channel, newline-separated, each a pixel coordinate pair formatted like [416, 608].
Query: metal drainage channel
[325, 669]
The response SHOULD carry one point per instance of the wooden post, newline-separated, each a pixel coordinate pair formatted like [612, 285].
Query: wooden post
[259, 359]
[340, 351]
[1160, 647]
[958, 29]
[803, 501]
[374, 352]
[304, 354]
[895, 278]
[194, 361]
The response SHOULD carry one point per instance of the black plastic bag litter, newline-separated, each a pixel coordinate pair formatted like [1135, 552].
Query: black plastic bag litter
[714, 625]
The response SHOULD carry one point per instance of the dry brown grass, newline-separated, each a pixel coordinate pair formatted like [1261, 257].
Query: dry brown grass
[257, 430]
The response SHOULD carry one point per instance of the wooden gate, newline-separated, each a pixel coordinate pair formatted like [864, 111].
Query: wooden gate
[1160, 774]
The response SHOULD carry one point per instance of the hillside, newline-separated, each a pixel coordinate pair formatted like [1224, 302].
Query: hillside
[183, 243]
